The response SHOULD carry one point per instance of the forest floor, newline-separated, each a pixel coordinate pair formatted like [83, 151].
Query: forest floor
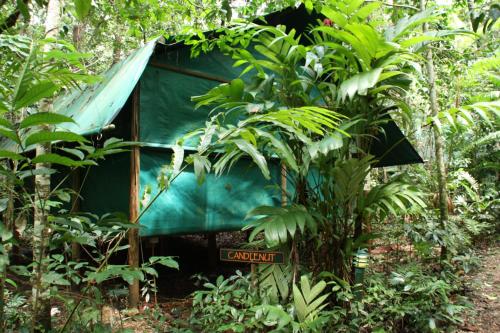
[484, 294]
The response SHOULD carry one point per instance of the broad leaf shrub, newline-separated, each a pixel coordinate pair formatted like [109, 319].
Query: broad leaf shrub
[238, 304]
[412, 299]
[226, 304]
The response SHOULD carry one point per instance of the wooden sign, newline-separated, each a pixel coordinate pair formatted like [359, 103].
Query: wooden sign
[251, 257]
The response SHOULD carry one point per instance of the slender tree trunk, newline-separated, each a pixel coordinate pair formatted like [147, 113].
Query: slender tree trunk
[76, 181]
[75, 247]
[133, 234]
[470, 7]
[77, 36]
[394, 12]
[438, 141]
[2, 299]
[117, 47]
[41, 292]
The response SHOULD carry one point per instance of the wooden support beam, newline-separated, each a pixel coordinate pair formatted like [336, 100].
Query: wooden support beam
[212, 251]
[133, 234]
[189, 72]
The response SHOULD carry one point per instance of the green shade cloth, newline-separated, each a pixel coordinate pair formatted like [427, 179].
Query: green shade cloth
[220, 204]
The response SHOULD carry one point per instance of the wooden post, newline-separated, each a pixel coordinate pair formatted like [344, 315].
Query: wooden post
[212, 250]
[133, 234]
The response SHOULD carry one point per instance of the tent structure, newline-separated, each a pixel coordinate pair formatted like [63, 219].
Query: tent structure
[147, 97]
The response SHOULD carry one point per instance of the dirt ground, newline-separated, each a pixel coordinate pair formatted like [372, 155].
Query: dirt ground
[484, 294]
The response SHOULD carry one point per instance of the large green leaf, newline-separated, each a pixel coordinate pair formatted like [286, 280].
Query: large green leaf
[3, 204]
[337, 17]
[177, 159]
[390, 199]
[279, 224]
[404, 26]
[256, 156]
[23, 8]
[165, 261]
[35, 93]
[9, 134]
[277, 278]
[201, 165]
[44, 118]
[280, 148]
[10, 155]
[274, 315]
[359, 84]
[61, 160]
[307, 301]
[82, 8]
[48, 136]
[349, 177]
[114, 271]
[5, 123]
[325, 145]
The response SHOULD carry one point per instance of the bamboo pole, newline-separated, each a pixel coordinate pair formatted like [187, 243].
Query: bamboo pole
[133, 234]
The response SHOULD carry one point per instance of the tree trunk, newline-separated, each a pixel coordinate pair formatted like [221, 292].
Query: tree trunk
[41, 293]
[438, 141]
[470, 7]
[133, 234]
[117, 47]
[77, 36]
[76, 181]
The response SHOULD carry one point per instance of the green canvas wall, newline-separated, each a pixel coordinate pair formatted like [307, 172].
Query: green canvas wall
[166, 114]
[220, 204]
[106, 187]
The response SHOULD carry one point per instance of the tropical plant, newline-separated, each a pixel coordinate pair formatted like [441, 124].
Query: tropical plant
[404, 305]
[227, 304]
[312, 104]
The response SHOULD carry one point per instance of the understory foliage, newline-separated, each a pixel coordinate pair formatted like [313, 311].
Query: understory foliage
[32, 76]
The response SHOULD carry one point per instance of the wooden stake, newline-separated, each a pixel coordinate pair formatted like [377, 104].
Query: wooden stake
[133, 234]
[283, 185]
